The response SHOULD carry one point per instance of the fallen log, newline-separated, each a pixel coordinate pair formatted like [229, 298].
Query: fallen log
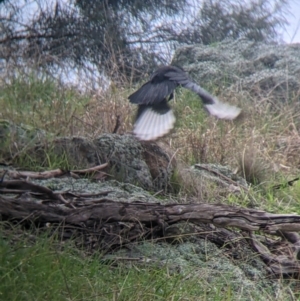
[110, 211]
[114, 223]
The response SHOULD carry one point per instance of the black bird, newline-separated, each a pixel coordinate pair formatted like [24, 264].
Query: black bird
[155, 117]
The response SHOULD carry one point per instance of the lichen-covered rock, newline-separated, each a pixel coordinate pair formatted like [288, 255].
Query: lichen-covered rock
[258, 68]
[123, 192]
[219, 174]
[144, 164]
[208, 182]
[130, 161]
[125, 155]
[202, 259]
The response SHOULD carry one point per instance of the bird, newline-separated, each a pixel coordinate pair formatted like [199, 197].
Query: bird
[155, 117]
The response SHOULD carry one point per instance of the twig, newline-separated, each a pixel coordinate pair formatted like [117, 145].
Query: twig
[118, 123]
[283, 185]
[51, 173]
[92, 169]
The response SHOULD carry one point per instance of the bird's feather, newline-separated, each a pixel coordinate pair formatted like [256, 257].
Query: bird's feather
[155, 118]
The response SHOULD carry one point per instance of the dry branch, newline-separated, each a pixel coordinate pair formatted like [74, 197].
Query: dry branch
[112, 223]
[110, 211]
[54, 173]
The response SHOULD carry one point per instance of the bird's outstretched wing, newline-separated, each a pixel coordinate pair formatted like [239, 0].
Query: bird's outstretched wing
[153, 92]
[214, 106]
[155, 118]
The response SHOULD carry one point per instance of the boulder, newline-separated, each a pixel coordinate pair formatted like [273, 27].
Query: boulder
[144, 164]
[262, 69]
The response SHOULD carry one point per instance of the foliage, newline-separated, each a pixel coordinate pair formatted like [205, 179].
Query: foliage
[256, 20]
[125, 39]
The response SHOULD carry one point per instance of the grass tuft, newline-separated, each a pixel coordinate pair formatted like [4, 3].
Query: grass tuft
[263, 143]
[48, 270]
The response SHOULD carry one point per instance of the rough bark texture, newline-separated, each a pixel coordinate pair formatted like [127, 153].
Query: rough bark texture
[106, 224]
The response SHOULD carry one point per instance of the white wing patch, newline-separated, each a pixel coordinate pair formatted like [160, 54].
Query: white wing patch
[151, 125]
[223, 110]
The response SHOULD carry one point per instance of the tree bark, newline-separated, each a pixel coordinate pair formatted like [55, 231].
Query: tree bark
[105, 218]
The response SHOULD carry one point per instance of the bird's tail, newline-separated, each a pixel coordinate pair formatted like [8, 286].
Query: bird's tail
[153, 121]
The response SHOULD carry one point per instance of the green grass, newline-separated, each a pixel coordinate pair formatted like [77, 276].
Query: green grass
[41, 103]
[47, 270]
[47, 159]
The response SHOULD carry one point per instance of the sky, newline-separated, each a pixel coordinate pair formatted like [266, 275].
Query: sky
[292, 35]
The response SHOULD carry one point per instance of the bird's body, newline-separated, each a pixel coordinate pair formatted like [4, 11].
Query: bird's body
[155, 117]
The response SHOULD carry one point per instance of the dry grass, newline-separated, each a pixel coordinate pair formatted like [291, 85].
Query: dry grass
[271, 134]
[103, 112]
[268, 131]
[47, 105]
[263, 144]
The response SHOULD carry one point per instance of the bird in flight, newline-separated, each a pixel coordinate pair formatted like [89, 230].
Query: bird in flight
[154, 117]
